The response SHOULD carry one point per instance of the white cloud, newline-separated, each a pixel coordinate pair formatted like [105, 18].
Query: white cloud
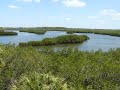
[115, 15]
[13, 6]
[29, 1]
[74, 3]
[68, 19]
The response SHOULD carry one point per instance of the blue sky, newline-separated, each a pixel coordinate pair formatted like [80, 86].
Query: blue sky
[67, 13]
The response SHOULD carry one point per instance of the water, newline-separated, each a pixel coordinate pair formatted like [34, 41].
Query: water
[25, 37]
[96, 41]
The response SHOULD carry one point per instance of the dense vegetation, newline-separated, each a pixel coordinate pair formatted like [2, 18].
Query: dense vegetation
[34, 31]
[96, 31]
[73, 30]
[65, 39]
[24, 68]
[10, 28]
[42, 30]
[3, 33]
[45, 28]
[1, 29]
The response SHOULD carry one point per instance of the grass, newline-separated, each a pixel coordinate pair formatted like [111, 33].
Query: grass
[65, 39]
[30, 69]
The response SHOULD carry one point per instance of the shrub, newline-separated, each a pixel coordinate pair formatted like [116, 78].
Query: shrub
[38, 81]
[72, 69]
[66, 39]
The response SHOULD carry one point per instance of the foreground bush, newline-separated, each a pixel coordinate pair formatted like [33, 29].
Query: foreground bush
[29, 69]
[65, 39]
[38, 81]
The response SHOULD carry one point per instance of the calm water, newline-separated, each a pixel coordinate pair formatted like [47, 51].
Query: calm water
[96, 42]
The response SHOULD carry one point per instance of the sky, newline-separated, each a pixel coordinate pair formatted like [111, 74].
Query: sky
[60, 13]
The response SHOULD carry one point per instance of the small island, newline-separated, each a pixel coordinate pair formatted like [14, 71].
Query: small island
[64, 39]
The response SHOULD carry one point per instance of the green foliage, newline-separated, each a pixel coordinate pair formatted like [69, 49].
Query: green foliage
[3, 33]
[30, 69]
[42, 30]
[95, 31]
[65, 39]
[1, 29]
[38, 81]
[34, 31]
[10, 28]
[45, 28]
[49, 41]
[73, 30]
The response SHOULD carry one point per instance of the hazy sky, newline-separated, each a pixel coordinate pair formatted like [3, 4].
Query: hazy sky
[67, 13]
